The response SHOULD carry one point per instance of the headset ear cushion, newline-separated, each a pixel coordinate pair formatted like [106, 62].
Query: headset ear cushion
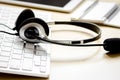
[39, 24]
[38, 21]
[25, 14]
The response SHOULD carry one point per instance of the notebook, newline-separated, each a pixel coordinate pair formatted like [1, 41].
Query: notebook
[107, 13]
[57, 5]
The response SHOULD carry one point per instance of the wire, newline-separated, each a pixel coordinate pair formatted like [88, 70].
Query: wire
[9, 28]
[6, 26]
[9, 33]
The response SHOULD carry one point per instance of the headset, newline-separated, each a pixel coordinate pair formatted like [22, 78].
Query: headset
[34, 30]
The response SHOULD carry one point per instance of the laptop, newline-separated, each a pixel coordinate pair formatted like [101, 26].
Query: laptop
[57, 5]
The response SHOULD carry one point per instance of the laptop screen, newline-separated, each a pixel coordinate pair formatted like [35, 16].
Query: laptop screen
[59, 3]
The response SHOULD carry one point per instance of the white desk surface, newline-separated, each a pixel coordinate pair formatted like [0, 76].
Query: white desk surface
[91, 63]
[87, 63]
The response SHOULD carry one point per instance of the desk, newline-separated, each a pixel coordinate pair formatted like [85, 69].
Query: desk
[96, 66]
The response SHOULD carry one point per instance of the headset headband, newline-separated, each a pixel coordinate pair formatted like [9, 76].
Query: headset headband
[86, 25]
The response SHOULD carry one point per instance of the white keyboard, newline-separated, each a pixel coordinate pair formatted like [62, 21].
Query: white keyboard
[17, 56]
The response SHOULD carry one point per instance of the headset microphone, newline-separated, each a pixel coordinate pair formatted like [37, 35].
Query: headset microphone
[35, 30]
[112, 45]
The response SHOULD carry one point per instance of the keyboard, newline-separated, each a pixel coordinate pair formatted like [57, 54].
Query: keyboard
[17, 56]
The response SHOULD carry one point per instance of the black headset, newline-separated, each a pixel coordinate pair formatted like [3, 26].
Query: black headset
[35, 30]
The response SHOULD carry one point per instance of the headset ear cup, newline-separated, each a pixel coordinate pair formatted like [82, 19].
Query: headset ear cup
[37, 23]
[25, 14]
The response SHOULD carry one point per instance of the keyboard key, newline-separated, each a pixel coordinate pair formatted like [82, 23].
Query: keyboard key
[37, 60]
[16, 56]
[27, 64]
[26, 50]
[0, 41]
[42, 69]
[18, 40]
[29, 45]
[15, 64]
[8, 44]
[8, 39]
[38, 47]
[41, 53]
[5, 53]
[6, 48]
[18, 46]
[43, 63]
[43, 58]
[3, 64]
[4, 58]
[17, 51]
[1, 35]
[28, 55]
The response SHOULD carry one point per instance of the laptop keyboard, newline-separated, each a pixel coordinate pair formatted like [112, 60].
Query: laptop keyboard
[18, 56]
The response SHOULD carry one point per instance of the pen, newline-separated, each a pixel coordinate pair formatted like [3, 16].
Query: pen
[90, 7]
[111, 12]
